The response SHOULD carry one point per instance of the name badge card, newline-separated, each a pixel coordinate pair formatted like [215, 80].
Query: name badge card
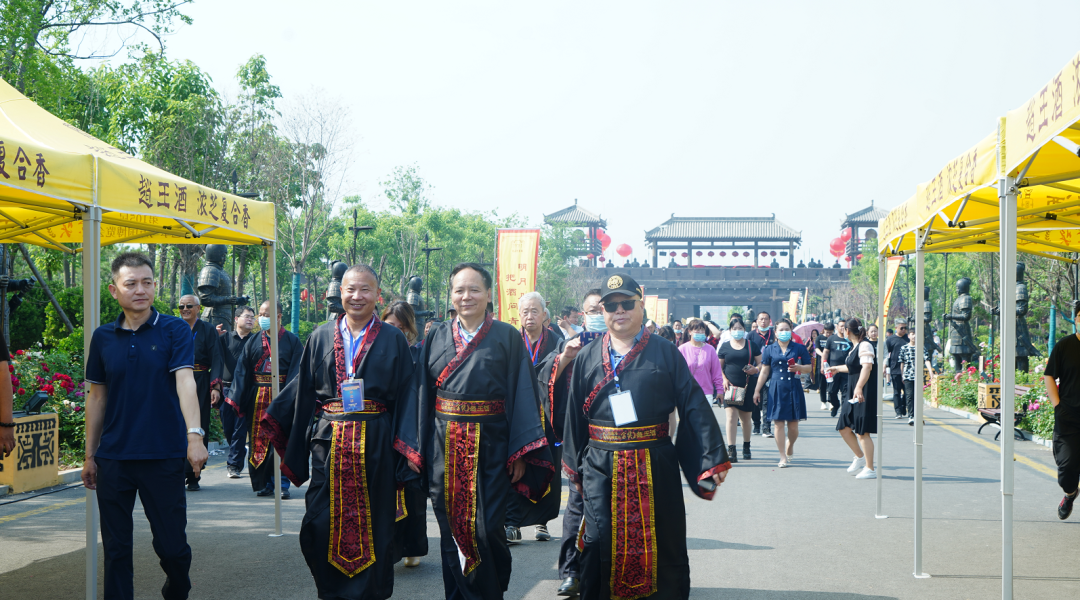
[622, 408]
[352, 395]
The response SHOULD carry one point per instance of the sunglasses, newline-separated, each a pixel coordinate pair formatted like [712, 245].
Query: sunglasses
[625, 304]
[187, 306]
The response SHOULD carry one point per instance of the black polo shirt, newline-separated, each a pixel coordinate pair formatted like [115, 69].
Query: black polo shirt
[1063, 366]
[142, 414]
[231, 347]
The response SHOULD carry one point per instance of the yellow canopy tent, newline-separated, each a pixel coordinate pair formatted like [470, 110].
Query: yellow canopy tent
[1030, 204]
[59, 185]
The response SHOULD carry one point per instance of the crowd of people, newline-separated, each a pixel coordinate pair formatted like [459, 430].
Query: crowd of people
[475, 417]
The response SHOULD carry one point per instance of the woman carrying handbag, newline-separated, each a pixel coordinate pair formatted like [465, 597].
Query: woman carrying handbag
[740, 361]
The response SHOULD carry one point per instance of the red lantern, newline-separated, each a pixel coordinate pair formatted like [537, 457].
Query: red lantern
[599, 232]
[837, 244]
[723, 254]
[859, 256]
[589, 256]
[699, 253]
[624, 250]
[845, 235]
[847, 258]
[605, 241]
[684, 255]
[711, 253]
[303, 295]
[836, 253]
[764, 253]
[745, 254]
[773, 253]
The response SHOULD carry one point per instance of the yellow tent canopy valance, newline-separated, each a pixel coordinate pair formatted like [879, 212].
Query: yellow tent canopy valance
[50, 171]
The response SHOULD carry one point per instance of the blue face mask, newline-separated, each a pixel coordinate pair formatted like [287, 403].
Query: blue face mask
[738, 334]
[765, 328]
[264, 323]
[595, 323]
[700, 337]
[783, 336]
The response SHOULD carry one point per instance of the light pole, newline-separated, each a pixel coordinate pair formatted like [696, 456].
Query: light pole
[427, 267]
[356, 231]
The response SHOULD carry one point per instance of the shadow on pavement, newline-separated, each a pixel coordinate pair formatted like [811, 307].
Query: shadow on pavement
[742, 594]
[704, 544]
[943, 478]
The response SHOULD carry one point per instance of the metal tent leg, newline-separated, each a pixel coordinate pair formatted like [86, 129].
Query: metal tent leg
[920, 282]
[1007, 199]
[91, 263]
[275, 385]
[879, 452]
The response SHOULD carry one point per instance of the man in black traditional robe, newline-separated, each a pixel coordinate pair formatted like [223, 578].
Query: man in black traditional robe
[482, 435]
[251, 393]
[207, 371]
[543, 348]
[618, 449]
[361, 454]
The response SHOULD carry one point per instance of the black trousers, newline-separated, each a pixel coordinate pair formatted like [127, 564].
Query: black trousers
[235, 435]
[571, 524]
[899, 398]
[909, 397]
[837, 389]
[160, 486]
[1067, 456]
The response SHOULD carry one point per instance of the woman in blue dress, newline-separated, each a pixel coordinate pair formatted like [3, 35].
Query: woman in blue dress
[781, 365]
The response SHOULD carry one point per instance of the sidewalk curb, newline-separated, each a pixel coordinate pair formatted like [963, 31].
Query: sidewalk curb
[75, 475]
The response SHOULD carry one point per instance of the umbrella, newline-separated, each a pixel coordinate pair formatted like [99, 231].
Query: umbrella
[803, 329]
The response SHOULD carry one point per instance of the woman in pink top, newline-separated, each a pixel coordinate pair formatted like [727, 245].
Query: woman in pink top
[702, 360]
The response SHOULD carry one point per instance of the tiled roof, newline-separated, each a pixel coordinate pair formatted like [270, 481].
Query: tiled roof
[575, 216]
[679, 229]
[868, 216]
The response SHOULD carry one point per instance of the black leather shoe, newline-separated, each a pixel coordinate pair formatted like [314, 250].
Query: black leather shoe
[193, 486]
[732, 456]
[569, 587]
[1066, 506]
[746, 451]
[265, 492]
[285, 495]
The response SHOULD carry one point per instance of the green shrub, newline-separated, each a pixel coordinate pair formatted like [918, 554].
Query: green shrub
[28, 321]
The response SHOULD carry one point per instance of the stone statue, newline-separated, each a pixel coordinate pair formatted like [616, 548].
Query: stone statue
[416, 300]
[333, 292]
[961, 345]
[1024, 347]
[929, 345]
[216, 289]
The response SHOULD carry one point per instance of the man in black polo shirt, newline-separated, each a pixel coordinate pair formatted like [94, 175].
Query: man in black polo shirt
[142, 420]
[207, 370]
[763, 336]
[893, 344]
[820, 347]
[232, 344]
[836, 354]
[1064, 394]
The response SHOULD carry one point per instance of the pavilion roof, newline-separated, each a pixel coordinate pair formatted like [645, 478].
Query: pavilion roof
[575, 216]
[867, 217]
[723, 229]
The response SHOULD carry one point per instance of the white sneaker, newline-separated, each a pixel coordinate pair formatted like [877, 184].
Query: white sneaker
[857, 465]
[824, 406]
[866, 474]
[911, 421]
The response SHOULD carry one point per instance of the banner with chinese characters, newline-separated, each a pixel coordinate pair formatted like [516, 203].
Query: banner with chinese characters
[1049, 113]
[650, 306]
[661, 311]
[517, 260]
[48, 167]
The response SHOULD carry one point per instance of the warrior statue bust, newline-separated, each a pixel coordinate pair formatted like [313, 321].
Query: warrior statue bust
[961, 345]
[333, 292]
[416, 300]
[928, 323]
[216, 289]
[1024, 347]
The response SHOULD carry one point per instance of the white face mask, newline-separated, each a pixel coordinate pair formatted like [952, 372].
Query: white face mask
[264, 323]
[595, 323]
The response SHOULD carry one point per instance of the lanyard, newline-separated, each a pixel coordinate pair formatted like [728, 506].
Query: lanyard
[534, 351]
[352, 349]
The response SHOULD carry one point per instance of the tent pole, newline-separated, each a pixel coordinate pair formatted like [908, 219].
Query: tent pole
[920, 327]
[879, 452]
[1007, 198]
[275, 384]
[91, 257]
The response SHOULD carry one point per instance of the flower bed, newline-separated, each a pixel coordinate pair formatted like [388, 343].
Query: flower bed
[59, 375]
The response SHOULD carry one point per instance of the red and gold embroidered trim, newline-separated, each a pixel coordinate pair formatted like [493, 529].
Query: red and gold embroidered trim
[633, 539]
[408, 452]
[707, 474]
[463, 352]
[339, 349]
[401, 511]
[469, 408]
[260, 434]
[350, 548]
[461, 459]
[626, 435]
[525, 453]
[200, 368]
[371, 407]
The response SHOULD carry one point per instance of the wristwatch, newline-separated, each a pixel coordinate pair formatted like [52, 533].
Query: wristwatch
[197, 430]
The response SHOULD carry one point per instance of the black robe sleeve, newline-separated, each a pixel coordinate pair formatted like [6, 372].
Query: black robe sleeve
[243, 385]
[528, 436]
[554, 391]
[291, 415]
[576, 427]
[217, 357]
[292, 351]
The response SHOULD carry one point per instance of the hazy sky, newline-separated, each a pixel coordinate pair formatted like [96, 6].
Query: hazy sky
[644, 109]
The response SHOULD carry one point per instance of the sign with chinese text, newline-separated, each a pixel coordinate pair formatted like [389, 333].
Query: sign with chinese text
[517, 260]
[650, 307]
[34, 463]
[661, 312]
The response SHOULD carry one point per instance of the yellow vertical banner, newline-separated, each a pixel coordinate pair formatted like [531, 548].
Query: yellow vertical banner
[517, 261]
[661, 312]
[650, 306]
[891, 269]
[806, 295]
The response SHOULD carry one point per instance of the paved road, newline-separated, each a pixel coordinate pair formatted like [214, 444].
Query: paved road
[806, 532]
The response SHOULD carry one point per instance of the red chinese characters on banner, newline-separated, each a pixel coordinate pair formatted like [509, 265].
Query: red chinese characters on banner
[517, 256]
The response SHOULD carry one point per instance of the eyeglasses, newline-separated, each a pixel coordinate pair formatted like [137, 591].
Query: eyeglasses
[187, 306]
[625, 304]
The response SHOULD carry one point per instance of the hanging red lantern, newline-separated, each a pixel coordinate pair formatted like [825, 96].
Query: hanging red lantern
[684, 255]
[847, 258]
[859, 256]
[605, 241]
[624, 250]
[600, 232]
[303, 295]
[746, 254]
[590, 256]
[836, 253]
[845, 235]
[699, 253]
[773, 253]
[723, 254]
[764, 253]
[711, 253]
[837, 244]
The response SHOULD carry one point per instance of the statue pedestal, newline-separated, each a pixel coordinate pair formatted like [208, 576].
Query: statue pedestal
[34, 463]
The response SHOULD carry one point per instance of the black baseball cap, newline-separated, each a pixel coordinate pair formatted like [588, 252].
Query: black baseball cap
[620, 284]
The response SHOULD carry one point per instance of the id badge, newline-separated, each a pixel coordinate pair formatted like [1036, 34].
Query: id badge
[622, 408]
[352, 396]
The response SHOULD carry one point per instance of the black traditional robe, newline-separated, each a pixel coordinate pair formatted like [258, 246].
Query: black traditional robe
[251, 393]
[635, 523]
[410, 531]
[358, 459]
[207, 372]
[544, 358]
[479, 412]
